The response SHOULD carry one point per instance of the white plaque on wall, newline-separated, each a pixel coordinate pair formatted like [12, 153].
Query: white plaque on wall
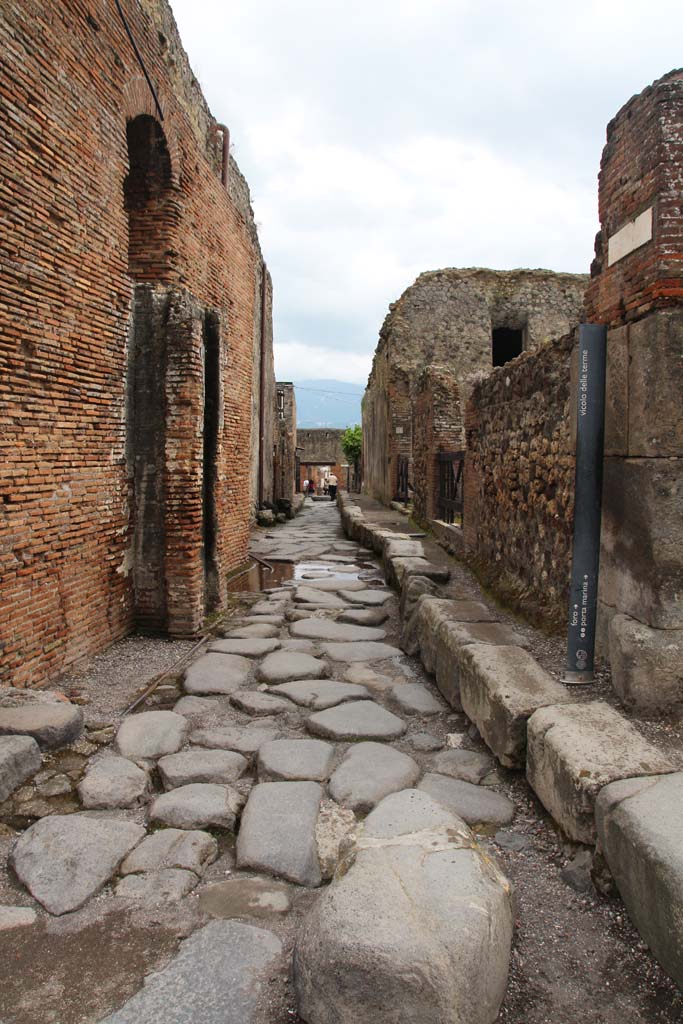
[634, 234]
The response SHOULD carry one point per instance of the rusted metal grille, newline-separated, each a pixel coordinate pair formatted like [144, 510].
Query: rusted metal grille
[451, 479]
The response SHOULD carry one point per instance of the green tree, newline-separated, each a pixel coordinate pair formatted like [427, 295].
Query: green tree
[352, 444]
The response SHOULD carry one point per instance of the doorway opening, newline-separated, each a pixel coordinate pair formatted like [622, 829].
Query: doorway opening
[506, 343]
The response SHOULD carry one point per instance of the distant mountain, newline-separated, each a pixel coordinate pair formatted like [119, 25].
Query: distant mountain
[327, 403]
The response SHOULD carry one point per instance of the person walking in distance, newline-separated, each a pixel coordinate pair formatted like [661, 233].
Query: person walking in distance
[332, 485]
[305, 488]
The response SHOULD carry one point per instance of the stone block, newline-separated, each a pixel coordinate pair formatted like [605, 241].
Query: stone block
[432, 613]
[640, 831]
[655, 386]
[19, 760]
[641, 559]
[452, 637]
[647, 664]
[576, 749]
[500, 688]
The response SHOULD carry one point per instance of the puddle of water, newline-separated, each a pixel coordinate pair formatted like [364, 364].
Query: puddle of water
[259, 577]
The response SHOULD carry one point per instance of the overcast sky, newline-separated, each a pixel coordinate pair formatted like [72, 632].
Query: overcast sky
[386, 137]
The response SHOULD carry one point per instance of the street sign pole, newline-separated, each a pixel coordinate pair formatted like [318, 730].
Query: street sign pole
[590, 435]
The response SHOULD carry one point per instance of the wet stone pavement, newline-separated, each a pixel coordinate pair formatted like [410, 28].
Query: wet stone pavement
[223, 818]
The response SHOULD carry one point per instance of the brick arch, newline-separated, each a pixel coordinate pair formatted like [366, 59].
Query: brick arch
[137, 99]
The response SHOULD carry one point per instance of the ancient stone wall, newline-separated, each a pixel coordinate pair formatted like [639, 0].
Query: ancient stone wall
[321, 447]
[637, 290]
[454, 318]
[106, 197]
[437, 427]
[519, 481]
[263, 406]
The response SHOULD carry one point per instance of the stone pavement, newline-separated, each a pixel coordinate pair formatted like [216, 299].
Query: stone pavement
[295, 726]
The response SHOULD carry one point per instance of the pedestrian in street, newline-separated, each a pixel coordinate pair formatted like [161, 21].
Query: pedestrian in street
[332, 486]
[305, 488]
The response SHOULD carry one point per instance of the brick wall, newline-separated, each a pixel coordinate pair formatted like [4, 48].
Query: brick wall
[519, 481]
[101, 198]
[284, 486]
[437, 427]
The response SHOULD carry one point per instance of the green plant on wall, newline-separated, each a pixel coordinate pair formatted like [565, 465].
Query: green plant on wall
[352, 444]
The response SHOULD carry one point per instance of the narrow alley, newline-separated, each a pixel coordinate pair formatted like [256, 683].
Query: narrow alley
[236, 792]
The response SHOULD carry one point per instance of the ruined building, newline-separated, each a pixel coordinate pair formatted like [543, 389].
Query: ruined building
[466, 322]
[320, 453]
[135, 338]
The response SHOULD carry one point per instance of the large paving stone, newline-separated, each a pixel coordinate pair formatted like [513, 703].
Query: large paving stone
[217, 673]
[371, 598]
[575, 750]
[337, 583]
[473, 804]
[245, 741]
[196, 707]
[277, 832]
[305, 595]
[415, 699]
[172, 848]
[253, 702]
[245, 897]
[49, 721]
[640, 831]
[400, 569]
[452, 636]
[294, 760]
[166, 886]
[419, 927]
[249, 648]
[19, 760]
[364, 616]
[258, 629]
[320, 694]
[151, 734]
[63, 860]
[361, 719]
[198, 806]
[368, 773]
[499, 689]
[324, 629]
[285, 665]
[113, 782]
[217, 977]
[362, 650]
[220, 766]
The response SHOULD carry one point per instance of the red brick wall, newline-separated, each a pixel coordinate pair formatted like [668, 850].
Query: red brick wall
[640, 168]
[437, 427]
[65, 321]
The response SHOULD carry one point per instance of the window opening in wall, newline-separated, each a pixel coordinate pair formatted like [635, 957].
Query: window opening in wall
[146, 190]
[506, 343]
[211, 337]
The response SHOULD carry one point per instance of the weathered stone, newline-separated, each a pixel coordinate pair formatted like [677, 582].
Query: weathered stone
[424, 741]
[418, 928]
[306, 596]
[166, 886]
[220, 766]
[422, 631]
[263, 629]
[19, 760]
[403, 548]
[113, 782]
[151, 734]
[63, 860]
[575, 750]
[195, 707]
[337, 583]
[245, 897]
[172, 848]
[320, 694]
[473, 804]
[254, 702]
[368, 773]
[50, 723]
[499, 689]
[216, 978]
[364, 675]
[244, 741]
[513, 841]
[324, 629]
[415, 699]
[371, 598]
[363, 650]
[463, 764]
[271, 606]
[358, 720]
[302, 646]
[285, 665]
[334, 831]
[58, 785]
[452, 637]
[640, 832]
[217, 673]
[364, 616]
[277, 833]
[16, 917]
[249, 648]
[647, 663]
[292, 760]
[400, 569]
[198, 806]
